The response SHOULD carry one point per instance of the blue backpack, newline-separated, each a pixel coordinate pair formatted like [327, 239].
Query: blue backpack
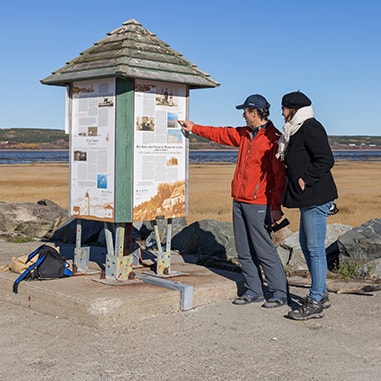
[49, 265]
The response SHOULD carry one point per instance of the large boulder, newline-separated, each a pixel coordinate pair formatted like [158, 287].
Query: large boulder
[28, 220]
[67, 232]
[146, 229]
[210, 240]
[362, 244]
[213, 243]
[291, 254]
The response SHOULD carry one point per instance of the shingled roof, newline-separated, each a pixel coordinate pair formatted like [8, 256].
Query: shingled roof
[131, 51]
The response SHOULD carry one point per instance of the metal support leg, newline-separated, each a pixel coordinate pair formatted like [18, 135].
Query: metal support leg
[163, 259]
[81, 254]
[110, 266]
[119, 261]
[163, 266]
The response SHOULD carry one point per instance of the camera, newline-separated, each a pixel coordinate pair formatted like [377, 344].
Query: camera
[333, 210]
[277, 226]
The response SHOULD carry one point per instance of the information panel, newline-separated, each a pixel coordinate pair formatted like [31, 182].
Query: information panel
[92, 152]
[160, 155]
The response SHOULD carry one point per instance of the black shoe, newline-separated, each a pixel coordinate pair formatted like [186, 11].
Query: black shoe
[275, 302]
[311, 309]
[247, 298]
[324, 301]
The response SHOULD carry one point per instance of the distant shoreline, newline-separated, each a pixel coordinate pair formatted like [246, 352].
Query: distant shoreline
[33, 150]
[354, 149]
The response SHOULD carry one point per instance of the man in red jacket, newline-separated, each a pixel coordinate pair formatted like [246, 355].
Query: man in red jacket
[257, 188]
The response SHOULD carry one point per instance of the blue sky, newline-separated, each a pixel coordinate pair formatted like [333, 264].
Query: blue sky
[329, 49]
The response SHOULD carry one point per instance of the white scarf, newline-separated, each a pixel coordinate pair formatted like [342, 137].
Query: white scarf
[291, 127]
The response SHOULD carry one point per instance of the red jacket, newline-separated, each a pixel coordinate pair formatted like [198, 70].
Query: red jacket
[259, 177]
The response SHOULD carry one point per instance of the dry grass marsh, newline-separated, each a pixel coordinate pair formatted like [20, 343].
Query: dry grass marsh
[359, 185]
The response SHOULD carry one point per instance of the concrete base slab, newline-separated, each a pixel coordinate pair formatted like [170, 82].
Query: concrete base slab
[101, 305]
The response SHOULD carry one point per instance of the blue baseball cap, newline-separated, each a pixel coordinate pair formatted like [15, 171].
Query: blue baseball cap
[254, 101]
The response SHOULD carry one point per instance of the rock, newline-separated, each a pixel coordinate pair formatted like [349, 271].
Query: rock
[30, 220]
[212, 241]
[362, 244]
[279, 236]
[146, 229]
[291, 253]
[67, 232]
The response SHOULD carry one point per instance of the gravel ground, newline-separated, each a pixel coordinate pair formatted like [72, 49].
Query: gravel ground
[221, 341]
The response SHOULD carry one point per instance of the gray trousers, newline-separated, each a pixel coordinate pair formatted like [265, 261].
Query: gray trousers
[255, 249]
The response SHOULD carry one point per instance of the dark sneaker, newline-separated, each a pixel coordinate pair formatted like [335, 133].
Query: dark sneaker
[247, 298]
[274, 302]
[311, 309]
[325, 302]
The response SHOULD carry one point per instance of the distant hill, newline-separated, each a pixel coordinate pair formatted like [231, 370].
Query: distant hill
[33, 138]
[40, 138]
[353, 142]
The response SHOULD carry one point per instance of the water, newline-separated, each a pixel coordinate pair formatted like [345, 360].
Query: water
[231, 156]
[29, 157]
[227, 156]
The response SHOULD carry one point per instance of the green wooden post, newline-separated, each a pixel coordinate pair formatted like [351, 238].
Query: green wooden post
[124, 150]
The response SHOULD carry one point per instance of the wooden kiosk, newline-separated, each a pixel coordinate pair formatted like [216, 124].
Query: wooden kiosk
[128, 157]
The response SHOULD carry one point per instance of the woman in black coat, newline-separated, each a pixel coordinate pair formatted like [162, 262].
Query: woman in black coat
[308, 159]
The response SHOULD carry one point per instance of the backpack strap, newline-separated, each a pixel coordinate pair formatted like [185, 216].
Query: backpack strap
[28, 270]
[34, 253]
[67, 271]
